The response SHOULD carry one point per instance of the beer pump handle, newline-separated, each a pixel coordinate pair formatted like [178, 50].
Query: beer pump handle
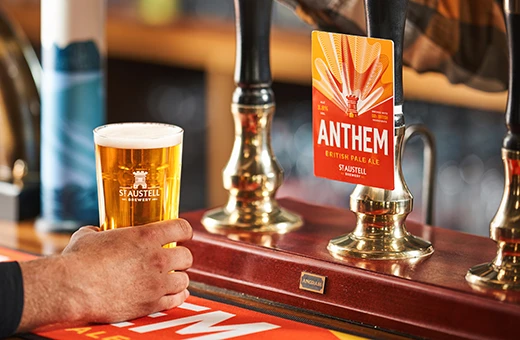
[386, 19]
[253, 35]
[512, 116]
[252, 175]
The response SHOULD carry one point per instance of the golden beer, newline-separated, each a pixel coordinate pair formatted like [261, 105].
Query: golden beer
[139, 171]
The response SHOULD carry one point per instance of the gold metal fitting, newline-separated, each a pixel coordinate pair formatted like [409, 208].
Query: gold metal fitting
[504, 271]
[252, 177]
[380, 232]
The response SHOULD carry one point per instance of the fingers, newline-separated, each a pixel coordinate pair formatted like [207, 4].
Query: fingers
[164, 232]
[180, 258]
[176, 282]
[172, 301]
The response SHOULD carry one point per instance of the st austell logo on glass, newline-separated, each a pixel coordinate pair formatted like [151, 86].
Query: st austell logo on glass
[140, 191]
[140, 179]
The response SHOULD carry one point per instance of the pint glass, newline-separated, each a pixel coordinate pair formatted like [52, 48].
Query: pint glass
[138, 167]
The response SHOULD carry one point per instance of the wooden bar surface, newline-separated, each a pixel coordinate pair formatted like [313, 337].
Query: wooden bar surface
[24, 236]
[426, 299]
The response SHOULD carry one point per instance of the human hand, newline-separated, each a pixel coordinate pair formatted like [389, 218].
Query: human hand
[125, 273]
[108, 276]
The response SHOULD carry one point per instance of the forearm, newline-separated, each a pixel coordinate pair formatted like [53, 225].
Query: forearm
[48, 295]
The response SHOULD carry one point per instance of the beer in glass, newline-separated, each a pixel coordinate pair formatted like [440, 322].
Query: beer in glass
[138, 168]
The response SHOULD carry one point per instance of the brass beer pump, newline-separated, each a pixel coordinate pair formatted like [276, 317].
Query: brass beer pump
[252, 175]
[504, 271]
[380, 232]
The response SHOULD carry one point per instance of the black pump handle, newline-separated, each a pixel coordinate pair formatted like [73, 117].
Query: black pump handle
[386, 19]
[253, 26]
[512, 16]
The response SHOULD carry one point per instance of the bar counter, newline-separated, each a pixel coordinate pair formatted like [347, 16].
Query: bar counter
[377, 299]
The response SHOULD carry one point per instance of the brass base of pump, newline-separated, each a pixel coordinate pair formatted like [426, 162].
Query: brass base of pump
[380, 232]
[496, 277]
[366, 246]
[504, 271]
[252, 175]
[221, 221]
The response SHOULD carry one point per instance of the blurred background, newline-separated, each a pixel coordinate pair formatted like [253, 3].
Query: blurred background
[172, 61]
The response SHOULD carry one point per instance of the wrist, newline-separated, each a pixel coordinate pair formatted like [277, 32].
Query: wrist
[72, 296]
[47, 293]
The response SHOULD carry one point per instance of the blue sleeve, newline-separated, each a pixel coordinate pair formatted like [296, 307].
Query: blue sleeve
[11, 297]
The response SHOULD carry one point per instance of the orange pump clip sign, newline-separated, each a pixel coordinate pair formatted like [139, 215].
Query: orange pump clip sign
[353, 109]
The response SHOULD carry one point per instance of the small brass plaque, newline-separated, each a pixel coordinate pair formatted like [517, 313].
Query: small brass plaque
[312, 282]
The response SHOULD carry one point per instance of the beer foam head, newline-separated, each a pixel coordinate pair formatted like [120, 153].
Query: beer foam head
[138, 135]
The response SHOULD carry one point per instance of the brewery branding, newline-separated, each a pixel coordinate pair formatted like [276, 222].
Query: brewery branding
[353, 109]
[140, 191]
